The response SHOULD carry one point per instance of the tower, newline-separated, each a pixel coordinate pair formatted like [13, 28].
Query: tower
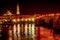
[18, 11]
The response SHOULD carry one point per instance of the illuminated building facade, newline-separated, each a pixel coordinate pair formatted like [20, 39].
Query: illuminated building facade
[17, 27]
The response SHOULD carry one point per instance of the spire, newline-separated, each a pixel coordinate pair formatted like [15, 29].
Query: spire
[18, 11]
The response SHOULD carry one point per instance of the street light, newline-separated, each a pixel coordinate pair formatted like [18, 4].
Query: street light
[14, 20]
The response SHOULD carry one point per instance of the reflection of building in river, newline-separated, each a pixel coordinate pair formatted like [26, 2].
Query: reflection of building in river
[20, 30]
[17, 27]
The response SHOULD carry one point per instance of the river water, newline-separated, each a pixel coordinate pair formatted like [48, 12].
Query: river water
[26, 32]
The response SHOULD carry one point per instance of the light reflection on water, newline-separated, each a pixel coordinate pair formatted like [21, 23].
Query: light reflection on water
[14, 32]
[31, 33]
[18, 31]
[26, 30]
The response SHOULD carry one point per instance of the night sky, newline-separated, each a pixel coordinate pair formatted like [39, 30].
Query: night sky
[30, 7]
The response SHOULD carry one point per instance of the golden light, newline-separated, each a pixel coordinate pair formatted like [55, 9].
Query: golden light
[15, 32]
[49, 15]
[9, 13]
[26, 26]
[22, 19]
[10, 32]
[6, 20]
[42, 15]
[18, 31]
[33, 29]
[14, 20]
[14, 29]
[32, 19]
[38, 17]
[18, 19]
[5, 14]
[10, 38]
[52, 14]
[18, 11]
[26, 19]
[1, 22]
[30, 29]
[29, 19]
[57, 14]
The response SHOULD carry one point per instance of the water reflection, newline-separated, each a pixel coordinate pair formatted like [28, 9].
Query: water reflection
[26, 29]
[10, 35]
[14, 32]
[18, 31]
[22, 32]
[27, 32]
[33, 31]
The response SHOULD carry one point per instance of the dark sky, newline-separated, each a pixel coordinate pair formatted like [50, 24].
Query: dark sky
[30, 7]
